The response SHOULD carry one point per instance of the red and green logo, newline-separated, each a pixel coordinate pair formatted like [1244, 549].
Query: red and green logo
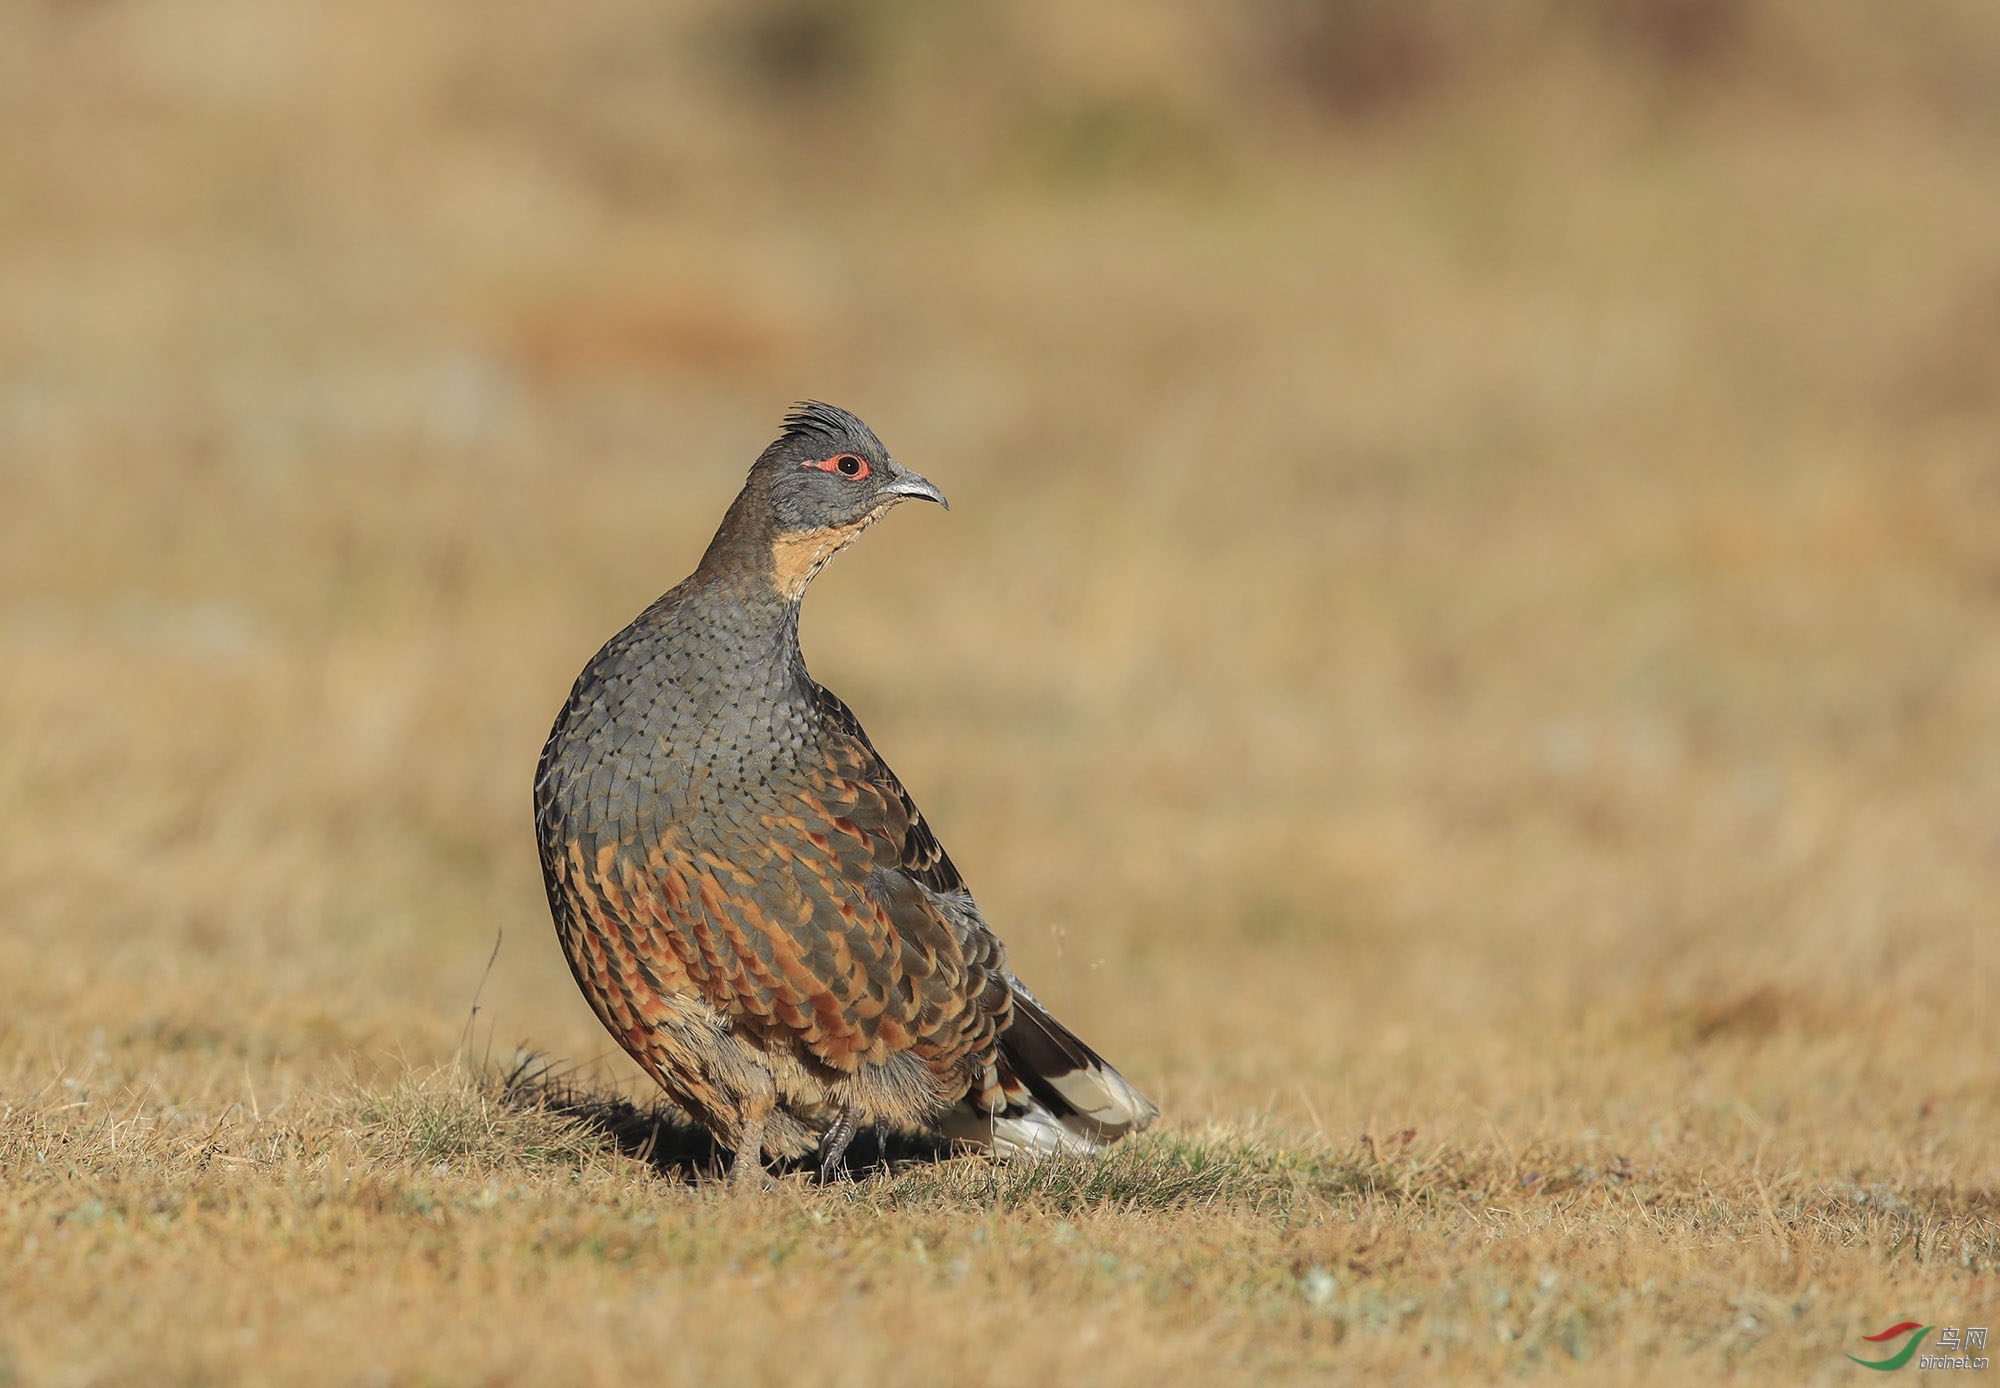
[1901, 1356]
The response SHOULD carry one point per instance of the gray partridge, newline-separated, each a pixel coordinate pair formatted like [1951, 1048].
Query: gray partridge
[750, 900]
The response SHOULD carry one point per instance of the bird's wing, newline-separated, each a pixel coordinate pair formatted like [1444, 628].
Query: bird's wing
[824, 919]
[919, 854]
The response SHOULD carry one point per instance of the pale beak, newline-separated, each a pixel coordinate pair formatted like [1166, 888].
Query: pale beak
[907, 483]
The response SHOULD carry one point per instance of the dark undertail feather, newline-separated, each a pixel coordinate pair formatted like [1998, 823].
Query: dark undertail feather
[1061, 1096]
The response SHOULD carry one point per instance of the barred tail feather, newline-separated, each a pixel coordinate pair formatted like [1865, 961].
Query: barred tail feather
[1060, 1095]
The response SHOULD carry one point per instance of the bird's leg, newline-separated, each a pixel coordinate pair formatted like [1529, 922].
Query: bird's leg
[746, 1171]
[882, 1143]
[833, 1147]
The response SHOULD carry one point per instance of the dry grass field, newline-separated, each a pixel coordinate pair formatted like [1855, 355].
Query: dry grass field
[1465, 658]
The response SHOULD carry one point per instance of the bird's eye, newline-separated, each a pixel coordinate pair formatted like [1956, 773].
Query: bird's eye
[846, 464]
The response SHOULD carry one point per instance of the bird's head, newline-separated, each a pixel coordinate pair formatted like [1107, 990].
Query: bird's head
[826, 479]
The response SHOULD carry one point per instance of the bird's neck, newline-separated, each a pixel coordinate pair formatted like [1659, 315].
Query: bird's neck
[742, 615]
[749, 550]
[748, 630]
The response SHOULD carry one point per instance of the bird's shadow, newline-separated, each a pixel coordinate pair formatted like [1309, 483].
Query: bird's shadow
[674, 1145]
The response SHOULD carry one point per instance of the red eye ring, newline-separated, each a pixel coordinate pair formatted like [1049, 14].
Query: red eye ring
[848, 465]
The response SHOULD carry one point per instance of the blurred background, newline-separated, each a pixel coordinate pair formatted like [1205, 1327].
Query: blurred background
[1474, 562]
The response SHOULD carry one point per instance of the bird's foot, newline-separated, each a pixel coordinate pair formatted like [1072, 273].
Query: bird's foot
[833, 1149]
[746, 1170]
[748, 1175]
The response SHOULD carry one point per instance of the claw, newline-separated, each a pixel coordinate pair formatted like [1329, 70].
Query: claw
[833, 1149]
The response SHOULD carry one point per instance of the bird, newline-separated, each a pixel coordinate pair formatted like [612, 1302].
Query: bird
[749, 899]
